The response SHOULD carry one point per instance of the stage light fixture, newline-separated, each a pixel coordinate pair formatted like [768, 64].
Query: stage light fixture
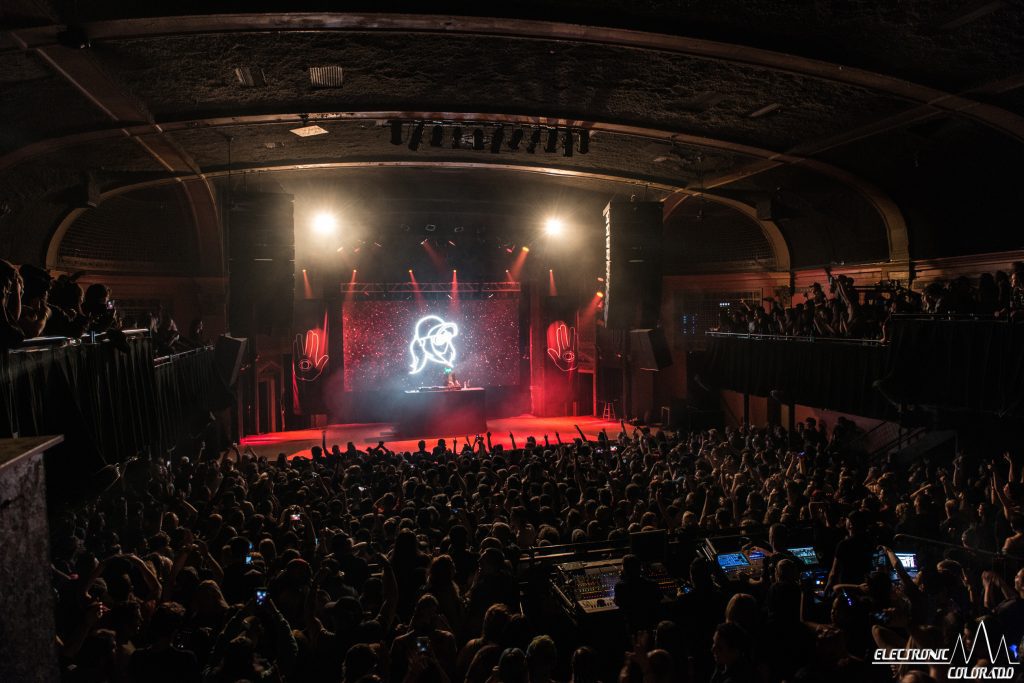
[396, 132]
[526, 249]
[584, 141]
[451, 243]
[531, 146]
[430, 227]
[437, 136]
[567, 144]
[497, 137]
[424, 241]
[600, 294]
[456, 137]
[325, 224]
[478, 139]
[554, 226]
[515, 140]
[417, 136]
[552, 143]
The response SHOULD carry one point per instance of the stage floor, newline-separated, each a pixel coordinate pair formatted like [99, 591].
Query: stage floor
[297, 443]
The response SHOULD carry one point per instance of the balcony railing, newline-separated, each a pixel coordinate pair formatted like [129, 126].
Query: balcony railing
[110, 401]
[968, 364]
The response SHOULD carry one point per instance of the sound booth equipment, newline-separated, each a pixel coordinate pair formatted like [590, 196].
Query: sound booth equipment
[633, 264]
[649, 349]
[261, 263]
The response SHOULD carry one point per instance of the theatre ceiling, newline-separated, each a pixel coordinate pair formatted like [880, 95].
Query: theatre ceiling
[821, 132]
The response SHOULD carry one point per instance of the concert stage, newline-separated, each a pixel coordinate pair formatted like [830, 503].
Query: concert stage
[297, 443]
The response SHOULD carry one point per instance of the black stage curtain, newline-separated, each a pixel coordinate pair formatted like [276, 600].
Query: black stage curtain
[975, 366]
[109, 404]
[831, 375]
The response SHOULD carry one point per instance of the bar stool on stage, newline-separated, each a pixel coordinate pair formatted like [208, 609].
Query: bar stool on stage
[608, 412]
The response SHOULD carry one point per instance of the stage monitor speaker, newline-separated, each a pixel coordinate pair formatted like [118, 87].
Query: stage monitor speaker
[649, 349]
[228, 353]
[261, 263]
[633, 264]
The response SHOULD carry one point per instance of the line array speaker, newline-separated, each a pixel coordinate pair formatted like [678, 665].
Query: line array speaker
[633, 264]
[261, 263]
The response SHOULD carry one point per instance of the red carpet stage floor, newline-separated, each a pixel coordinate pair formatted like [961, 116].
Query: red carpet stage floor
[297, 443]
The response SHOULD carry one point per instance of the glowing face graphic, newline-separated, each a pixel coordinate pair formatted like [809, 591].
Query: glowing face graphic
[432, 343]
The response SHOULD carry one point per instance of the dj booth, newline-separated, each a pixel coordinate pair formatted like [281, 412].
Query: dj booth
[441, 412]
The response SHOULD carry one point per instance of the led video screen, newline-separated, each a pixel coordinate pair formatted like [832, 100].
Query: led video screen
[397, 345]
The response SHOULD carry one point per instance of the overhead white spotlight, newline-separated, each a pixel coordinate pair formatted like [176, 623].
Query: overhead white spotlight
[325, 224]
[554, 226]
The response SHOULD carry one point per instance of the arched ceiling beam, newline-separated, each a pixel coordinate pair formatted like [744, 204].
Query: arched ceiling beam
[776, 240]
[890, 214]
[996, 117]
[81, 72]
[778, 245]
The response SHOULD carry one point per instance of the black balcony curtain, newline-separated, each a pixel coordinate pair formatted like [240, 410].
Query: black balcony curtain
[973, 366]
[109, 404]
[834, 376]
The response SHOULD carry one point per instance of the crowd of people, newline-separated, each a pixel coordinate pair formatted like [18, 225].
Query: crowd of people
[848, 312]
[374, 565]
[37, 304]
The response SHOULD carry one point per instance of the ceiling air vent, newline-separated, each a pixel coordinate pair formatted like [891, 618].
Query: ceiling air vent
[325, 76]
[251, 77]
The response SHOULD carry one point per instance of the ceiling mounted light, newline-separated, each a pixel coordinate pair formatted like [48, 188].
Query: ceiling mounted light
[584, 141]
[437, 136]
[554, 226]
[430, 227]
[417, 136]
[515, 140]
[497, 137]
[552, 143]
[531, 147]
[325, 224]
[396, 132]
[478, 139]
[308, 131]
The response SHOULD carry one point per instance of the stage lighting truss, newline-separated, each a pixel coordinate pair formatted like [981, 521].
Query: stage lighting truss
[432, 290]
[492, 136]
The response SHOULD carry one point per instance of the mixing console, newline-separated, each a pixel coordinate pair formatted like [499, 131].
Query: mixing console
[590, 586]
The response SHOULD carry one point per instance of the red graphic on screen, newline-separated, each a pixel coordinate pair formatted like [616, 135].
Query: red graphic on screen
[310, 353]
[562, 346]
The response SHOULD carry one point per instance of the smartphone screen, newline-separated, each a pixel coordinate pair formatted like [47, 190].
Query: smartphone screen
[261, 596]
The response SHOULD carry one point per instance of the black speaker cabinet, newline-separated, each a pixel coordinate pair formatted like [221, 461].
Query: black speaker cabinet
[633, 264]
